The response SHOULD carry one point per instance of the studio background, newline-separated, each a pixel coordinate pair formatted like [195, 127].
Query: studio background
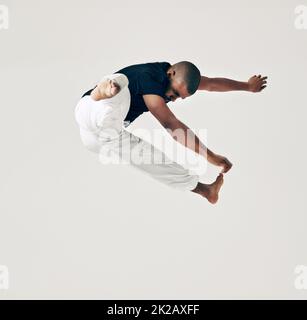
[71, 228]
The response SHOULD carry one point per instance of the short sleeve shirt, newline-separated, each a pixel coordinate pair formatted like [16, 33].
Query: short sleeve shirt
[145, 78]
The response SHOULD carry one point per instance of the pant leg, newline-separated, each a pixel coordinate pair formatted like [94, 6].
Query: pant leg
[145, 157]
[101, 121]
[105, 121]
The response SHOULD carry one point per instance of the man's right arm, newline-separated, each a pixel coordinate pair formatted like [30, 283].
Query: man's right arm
[180, 132]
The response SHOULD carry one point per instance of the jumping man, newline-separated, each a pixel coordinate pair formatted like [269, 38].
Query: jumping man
[119, 98]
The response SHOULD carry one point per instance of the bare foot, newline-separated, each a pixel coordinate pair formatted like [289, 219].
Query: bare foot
[105, 90]
[214, 189]
[210, 191]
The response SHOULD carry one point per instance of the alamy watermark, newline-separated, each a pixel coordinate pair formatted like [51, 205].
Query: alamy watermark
[300, 281]
[4, 17]
[127, 148]
[300, 21]
[4, 277]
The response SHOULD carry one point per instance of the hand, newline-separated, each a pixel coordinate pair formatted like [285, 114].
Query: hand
[256, 83]
[221, 161]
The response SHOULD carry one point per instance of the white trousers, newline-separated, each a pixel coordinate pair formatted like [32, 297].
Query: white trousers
[102, 130]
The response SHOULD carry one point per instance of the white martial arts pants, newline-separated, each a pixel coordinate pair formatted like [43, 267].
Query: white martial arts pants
[102, 131]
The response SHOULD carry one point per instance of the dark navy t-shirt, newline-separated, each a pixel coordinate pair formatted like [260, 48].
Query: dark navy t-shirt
[145, 78]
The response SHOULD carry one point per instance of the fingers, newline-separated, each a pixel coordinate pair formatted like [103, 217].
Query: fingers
[227, 166]
[257, 83]
[263, 80]
[259, 76]
[261, 83]
[225, 170]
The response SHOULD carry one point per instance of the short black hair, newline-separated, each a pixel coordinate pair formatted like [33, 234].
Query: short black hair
[190, 75]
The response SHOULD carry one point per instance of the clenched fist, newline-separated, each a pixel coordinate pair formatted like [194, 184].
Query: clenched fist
[221, 161]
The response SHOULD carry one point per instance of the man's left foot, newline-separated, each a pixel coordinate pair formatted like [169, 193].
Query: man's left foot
[105, 90]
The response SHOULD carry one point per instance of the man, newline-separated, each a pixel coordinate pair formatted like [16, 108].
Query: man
[120, 98]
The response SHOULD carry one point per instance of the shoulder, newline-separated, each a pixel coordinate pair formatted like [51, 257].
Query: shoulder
[153, 68]
[157, 68]
[155, 72]
[149, 83]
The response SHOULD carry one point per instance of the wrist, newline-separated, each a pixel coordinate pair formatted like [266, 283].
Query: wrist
[247, 86]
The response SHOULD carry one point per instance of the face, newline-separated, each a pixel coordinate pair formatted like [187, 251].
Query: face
[176, 89]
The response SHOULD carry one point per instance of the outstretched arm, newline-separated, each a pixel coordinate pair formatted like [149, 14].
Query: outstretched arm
[254, 84]
[181, 133]
[184, 135]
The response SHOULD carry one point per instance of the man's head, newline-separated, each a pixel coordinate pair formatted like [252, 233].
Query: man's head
[184, 79]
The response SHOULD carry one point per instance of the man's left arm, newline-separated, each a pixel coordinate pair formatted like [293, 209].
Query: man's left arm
[254, 84]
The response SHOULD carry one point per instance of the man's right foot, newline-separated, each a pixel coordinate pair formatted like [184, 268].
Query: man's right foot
[214, 189]
[210, 191]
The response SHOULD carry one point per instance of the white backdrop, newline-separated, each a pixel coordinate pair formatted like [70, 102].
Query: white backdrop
[73, 228]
